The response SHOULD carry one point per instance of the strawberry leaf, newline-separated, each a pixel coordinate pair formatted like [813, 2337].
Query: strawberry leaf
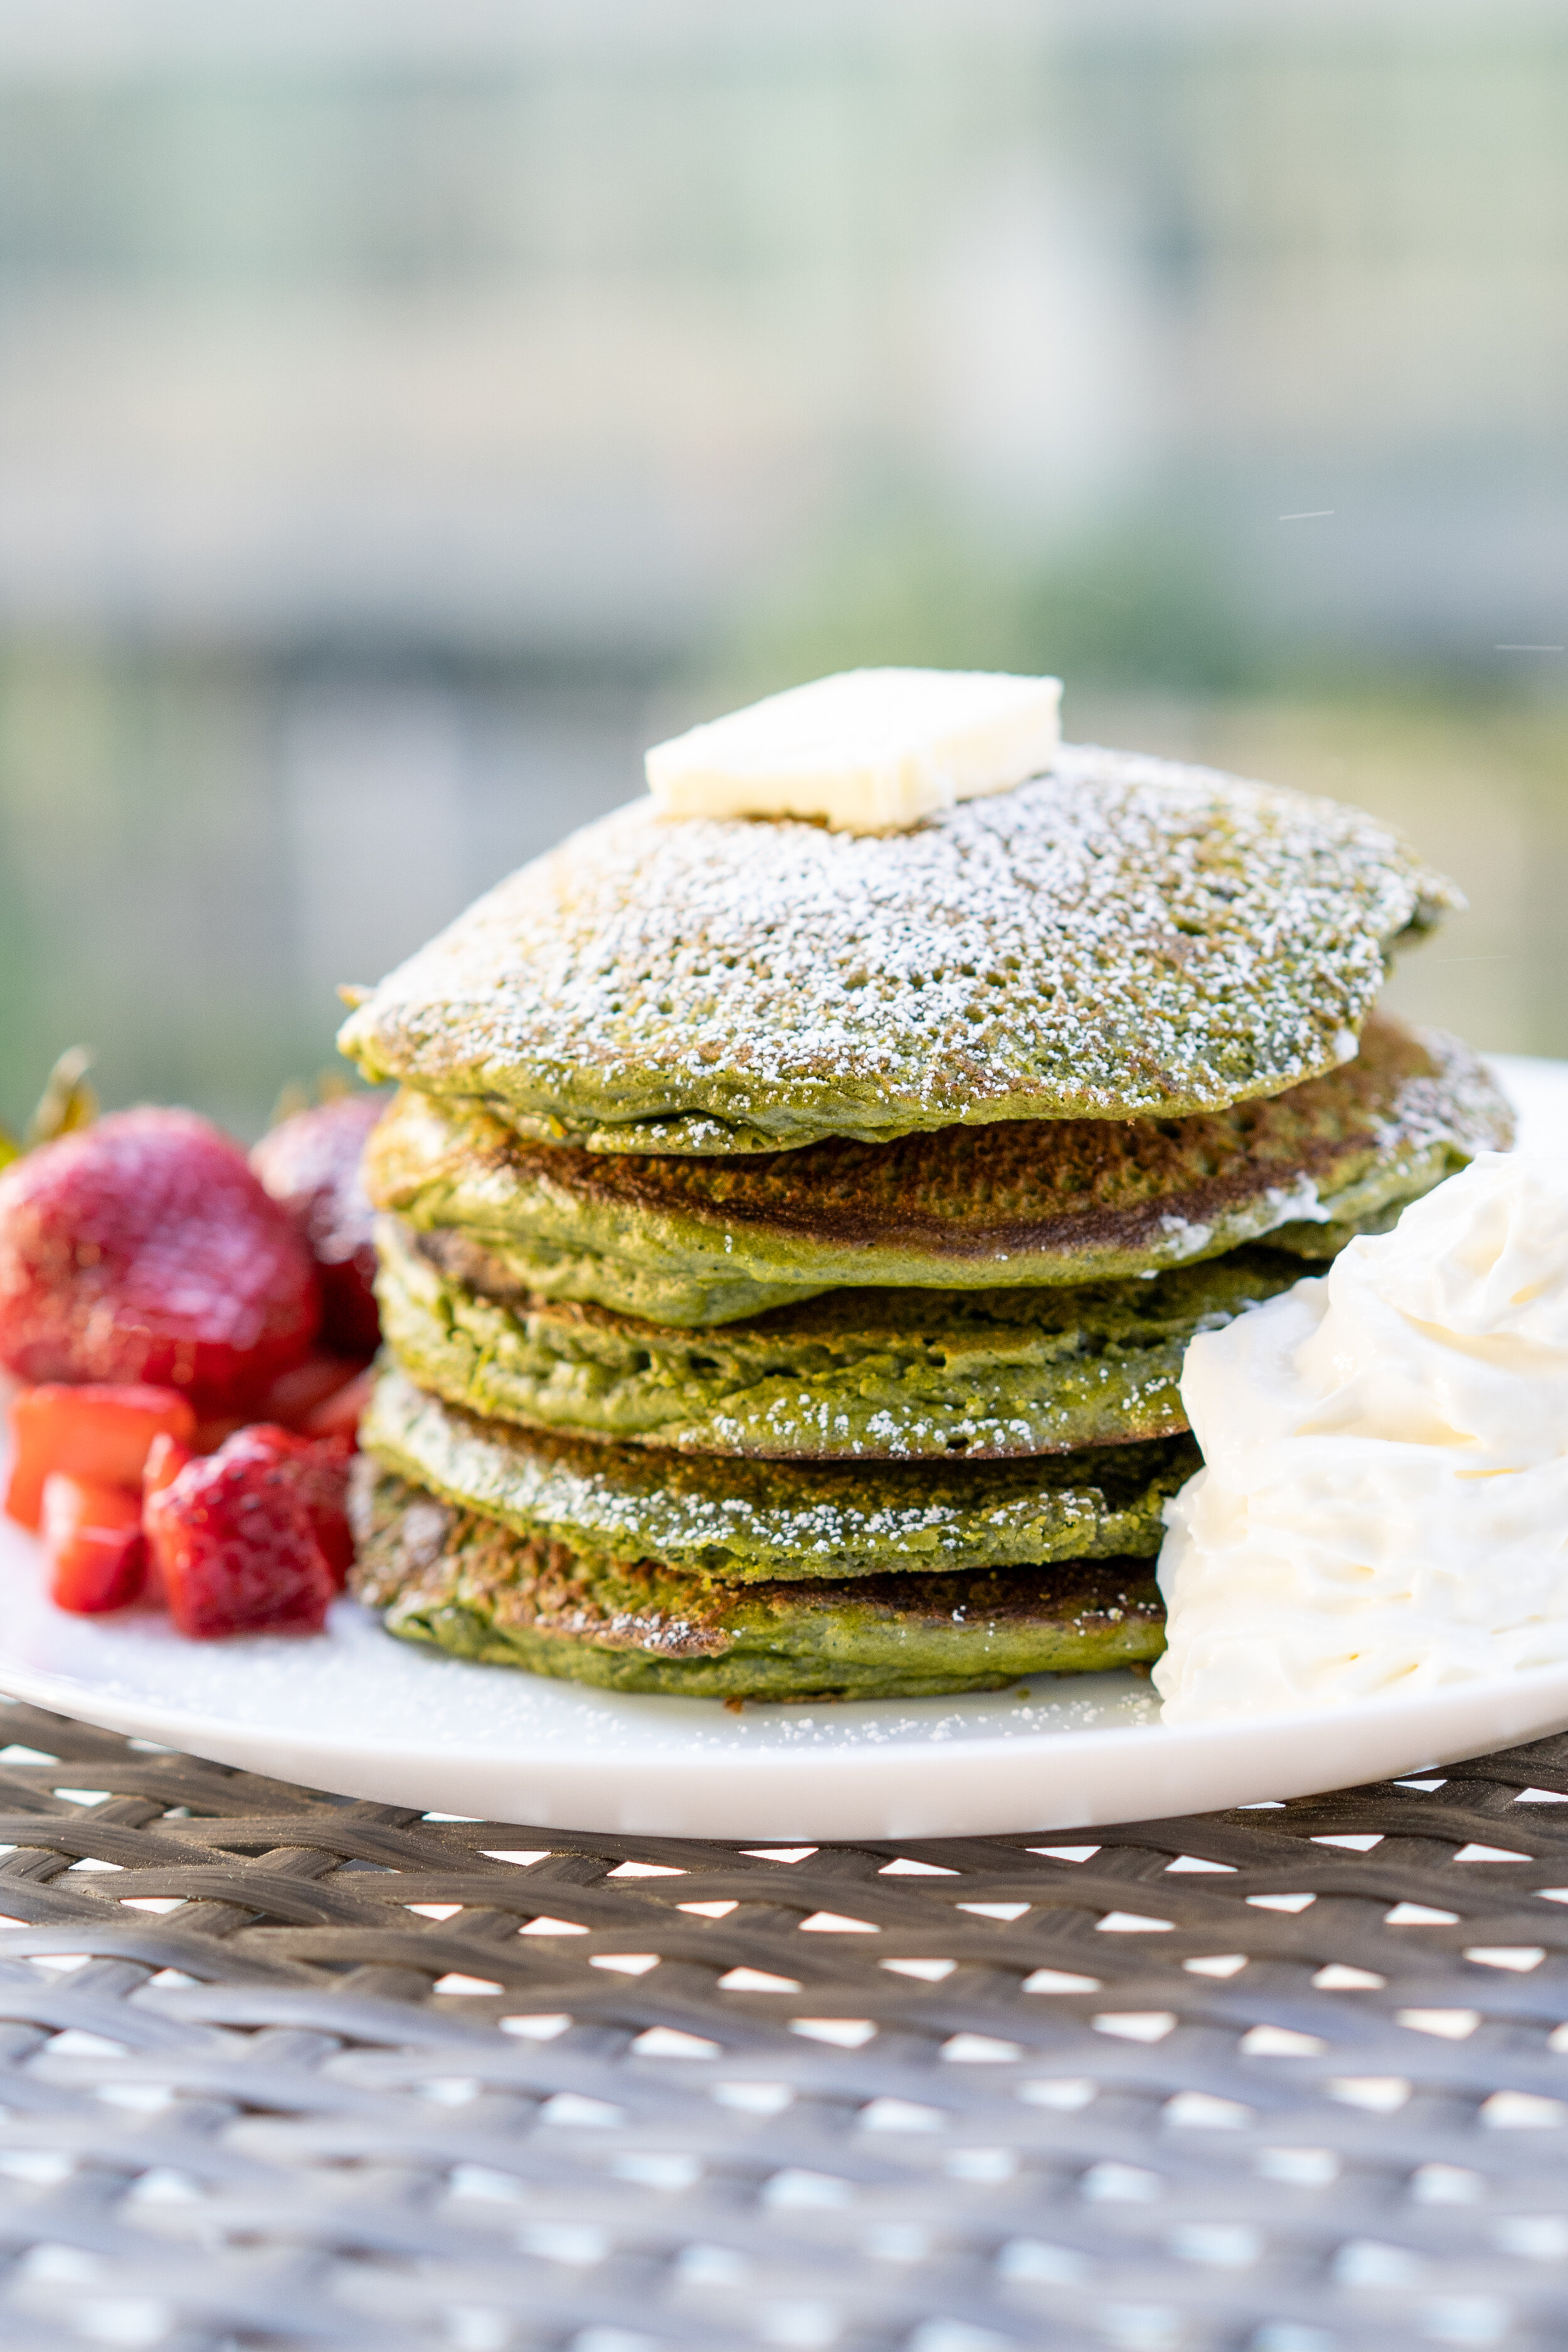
[66, 1103]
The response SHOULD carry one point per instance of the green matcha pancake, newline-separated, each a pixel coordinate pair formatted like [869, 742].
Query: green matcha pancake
[737, 1521]
[1123, 938]
[855, 1374]
[702, 1241]
[464, 1584]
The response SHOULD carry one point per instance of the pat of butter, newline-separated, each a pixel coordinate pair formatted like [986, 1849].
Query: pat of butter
[869, 751]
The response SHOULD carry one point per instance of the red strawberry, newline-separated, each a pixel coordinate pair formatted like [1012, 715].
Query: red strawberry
[89, 1432]
[166, 1457]
[319, 1470]
[294, 1396]
[340, 1415]
[310, 1164]
[233, 1542]
[144, 1250]
[93, 1541]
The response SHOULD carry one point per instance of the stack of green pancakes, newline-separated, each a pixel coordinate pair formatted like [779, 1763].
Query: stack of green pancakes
[790, 1238]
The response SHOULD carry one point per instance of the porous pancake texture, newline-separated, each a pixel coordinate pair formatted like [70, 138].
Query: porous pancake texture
[893, 1374]
[739, 1521]
[467, 1584]
[698, 1241]
[1125, 937]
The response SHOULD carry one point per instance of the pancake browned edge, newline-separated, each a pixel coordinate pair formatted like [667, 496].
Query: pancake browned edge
[465, 1584]
[693, 1242]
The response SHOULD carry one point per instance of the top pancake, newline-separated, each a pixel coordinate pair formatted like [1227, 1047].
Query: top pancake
[1126, 937]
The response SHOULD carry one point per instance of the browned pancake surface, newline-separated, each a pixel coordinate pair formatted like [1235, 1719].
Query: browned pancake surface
[1071, 1183]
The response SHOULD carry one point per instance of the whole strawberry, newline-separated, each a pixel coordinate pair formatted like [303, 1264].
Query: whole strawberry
[310, 1164]
[232, 1543]
[144, 1250]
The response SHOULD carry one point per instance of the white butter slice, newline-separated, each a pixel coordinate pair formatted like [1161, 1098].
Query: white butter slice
[869, 751]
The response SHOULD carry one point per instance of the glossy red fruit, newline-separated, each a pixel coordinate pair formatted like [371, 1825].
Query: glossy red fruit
[310, 1164]
[340, 1415]
[88, 1431]
[294, 1396]
[166, 1457]
[93, 1542]
[319, 1469]
[233, 1543]
[145, 1249]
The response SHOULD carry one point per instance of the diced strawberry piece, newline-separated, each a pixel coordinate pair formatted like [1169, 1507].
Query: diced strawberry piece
[93, 1541]
[294, 1396]
[233, 1541]
[91, 1431]
[319, 1469]
[310, 1164]
[143, 1249]
[166, 1457]
[340, 1415]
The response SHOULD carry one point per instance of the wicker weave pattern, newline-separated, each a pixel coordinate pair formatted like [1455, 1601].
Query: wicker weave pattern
[255, 2097]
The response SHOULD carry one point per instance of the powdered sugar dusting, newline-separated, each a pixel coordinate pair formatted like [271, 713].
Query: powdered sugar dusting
[1126, 936]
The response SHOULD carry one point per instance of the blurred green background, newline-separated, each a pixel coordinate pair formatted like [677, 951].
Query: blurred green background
[411, 409]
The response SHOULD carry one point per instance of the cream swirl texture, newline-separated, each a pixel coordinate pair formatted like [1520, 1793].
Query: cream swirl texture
[1383, 1505]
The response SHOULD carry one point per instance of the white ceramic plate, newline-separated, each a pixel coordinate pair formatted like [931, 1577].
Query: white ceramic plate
[361, 1714]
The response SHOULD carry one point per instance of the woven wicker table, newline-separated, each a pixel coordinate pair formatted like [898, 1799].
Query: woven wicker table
[285, 2070]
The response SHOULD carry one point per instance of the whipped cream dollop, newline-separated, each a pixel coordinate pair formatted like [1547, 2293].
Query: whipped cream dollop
[1383, 1505]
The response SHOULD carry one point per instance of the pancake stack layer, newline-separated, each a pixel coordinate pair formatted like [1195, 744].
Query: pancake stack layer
[790, 1239]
